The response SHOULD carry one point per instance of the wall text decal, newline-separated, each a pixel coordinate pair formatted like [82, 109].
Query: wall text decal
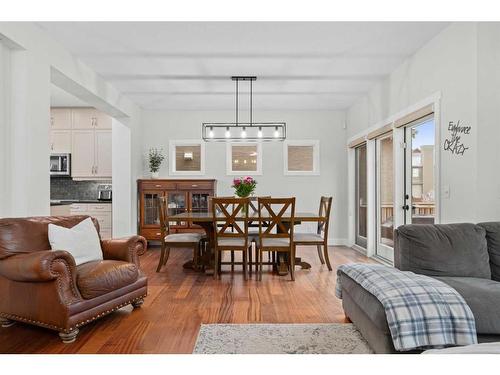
[454, 142]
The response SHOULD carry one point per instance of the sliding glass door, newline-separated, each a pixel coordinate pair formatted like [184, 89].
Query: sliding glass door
[361, 196]
[385, 197]
[420, 201]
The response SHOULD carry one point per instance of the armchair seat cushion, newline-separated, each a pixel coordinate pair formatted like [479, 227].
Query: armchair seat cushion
[97, 278]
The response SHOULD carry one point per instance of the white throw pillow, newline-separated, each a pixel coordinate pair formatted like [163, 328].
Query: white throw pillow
[81, 241]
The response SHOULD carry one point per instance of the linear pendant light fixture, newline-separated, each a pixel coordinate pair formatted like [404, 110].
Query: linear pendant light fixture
[243, 131]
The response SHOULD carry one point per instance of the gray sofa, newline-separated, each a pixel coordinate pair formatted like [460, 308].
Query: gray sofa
[464, 256]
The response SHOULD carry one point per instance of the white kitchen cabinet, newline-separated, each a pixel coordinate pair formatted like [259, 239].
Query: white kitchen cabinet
[87, 139]
[103, 121]
[103, 155]
[102, 212]
[90, 118]
[91, 155]
[83, 154]
[60, 141]
[84, 118]
[60, 118]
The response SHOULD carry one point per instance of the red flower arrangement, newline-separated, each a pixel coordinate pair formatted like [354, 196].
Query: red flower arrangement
[244, 186]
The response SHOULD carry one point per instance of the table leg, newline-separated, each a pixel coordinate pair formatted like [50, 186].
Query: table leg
[206, 260]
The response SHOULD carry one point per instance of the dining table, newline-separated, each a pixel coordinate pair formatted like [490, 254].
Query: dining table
[205, 220]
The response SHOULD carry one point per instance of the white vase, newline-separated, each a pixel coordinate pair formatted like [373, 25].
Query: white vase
[155, 174]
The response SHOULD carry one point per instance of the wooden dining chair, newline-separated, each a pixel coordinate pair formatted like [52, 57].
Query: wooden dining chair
[320, 238]
[230, 222]
[253, 230]
[175, 240]
[275, 234]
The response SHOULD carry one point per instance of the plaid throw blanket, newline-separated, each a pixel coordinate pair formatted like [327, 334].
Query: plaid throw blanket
[422, 312]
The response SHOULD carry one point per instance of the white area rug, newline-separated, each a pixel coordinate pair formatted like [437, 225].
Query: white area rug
[335, 338]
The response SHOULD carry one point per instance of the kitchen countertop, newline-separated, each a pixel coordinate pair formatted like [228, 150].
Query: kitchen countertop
[63, 202]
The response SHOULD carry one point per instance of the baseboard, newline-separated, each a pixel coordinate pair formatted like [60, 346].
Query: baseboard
[338, 241]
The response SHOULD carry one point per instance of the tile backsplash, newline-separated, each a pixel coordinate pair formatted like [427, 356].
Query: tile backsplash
[66, 188]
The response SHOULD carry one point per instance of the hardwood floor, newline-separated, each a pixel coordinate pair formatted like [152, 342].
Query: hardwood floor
[180, 300]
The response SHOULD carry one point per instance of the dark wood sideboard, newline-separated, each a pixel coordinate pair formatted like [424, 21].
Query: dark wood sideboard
[183, 195]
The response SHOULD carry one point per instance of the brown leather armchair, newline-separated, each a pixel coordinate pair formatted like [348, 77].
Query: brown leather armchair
[44, 287]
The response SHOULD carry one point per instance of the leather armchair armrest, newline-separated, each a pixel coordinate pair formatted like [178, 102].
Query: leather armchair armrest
[126, 249]
[38, 266]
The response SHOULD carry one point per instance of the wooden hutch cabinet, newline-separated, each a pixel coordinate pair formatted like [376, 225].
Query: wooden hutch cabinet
[182, 195]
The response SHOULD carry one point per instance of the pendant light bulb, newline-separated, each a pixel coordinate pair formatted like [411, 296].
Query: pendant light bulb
[211, 132]
[228, 133]
[276, 132]
[259, 133]
[244, 133]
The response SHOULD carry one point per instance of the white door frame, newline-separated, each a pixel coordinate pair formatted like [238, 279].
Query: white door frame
[398, 134]
[381, 249]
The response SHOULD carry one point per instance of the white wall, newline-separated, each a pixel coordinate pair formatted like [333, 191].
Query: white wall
[488, 118]
[162, 126]
[447, 64]
[38, 61]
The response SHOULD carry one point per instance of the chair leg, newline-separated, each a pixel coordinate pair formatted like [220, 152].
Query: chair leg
[250, 250]
[327, 259]
[232, 261]
[216, 264]
[320, 254]
[162, 257]
[261, 255]
[245, 264]
[68, 338]
[292, 262]
[196, 254]
[167, 254]
[137, 303]
[6, 323]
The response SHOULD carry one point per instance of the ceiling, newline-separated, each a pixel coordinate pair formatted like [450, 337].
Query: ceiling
[187, 65]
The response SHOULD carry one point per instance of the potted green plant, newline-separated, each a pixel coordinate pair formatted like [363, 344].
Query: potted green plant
[156, 157]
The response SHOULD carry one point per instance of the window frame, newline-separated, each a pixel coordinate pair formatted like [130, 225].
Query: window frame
[172, 152]
[316, 157]
[229, 159]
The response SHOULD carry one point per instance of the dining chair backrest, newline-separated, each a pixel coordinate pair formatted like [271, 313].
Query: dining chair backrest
[230, 217]
[163, 216]
[325, 206]
[276, 217]
[253, 205]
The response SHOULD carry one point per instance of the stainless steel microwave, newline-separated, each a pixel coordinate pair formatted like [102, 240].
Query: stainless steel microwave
[60, 165]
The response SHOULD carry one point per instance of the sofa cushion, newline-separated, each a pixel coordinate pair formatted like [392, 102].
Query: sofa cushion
[483, 298]
[442, 250]
[493, 239]
[81, 241]
[97, 278]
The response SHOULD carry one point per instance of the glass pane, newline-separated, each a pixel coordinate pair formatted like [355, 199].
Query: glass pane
[301, 158]
[199, 202]
[386, 196]
[176, 205]
[422, 167]
[361, 196]
[188, 158]
[244, 158]
[151, 209]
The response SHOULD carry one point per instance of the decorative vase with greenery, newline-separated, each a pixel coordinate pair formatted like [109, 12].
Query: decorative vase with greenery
[155, 159]
[244, 186]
